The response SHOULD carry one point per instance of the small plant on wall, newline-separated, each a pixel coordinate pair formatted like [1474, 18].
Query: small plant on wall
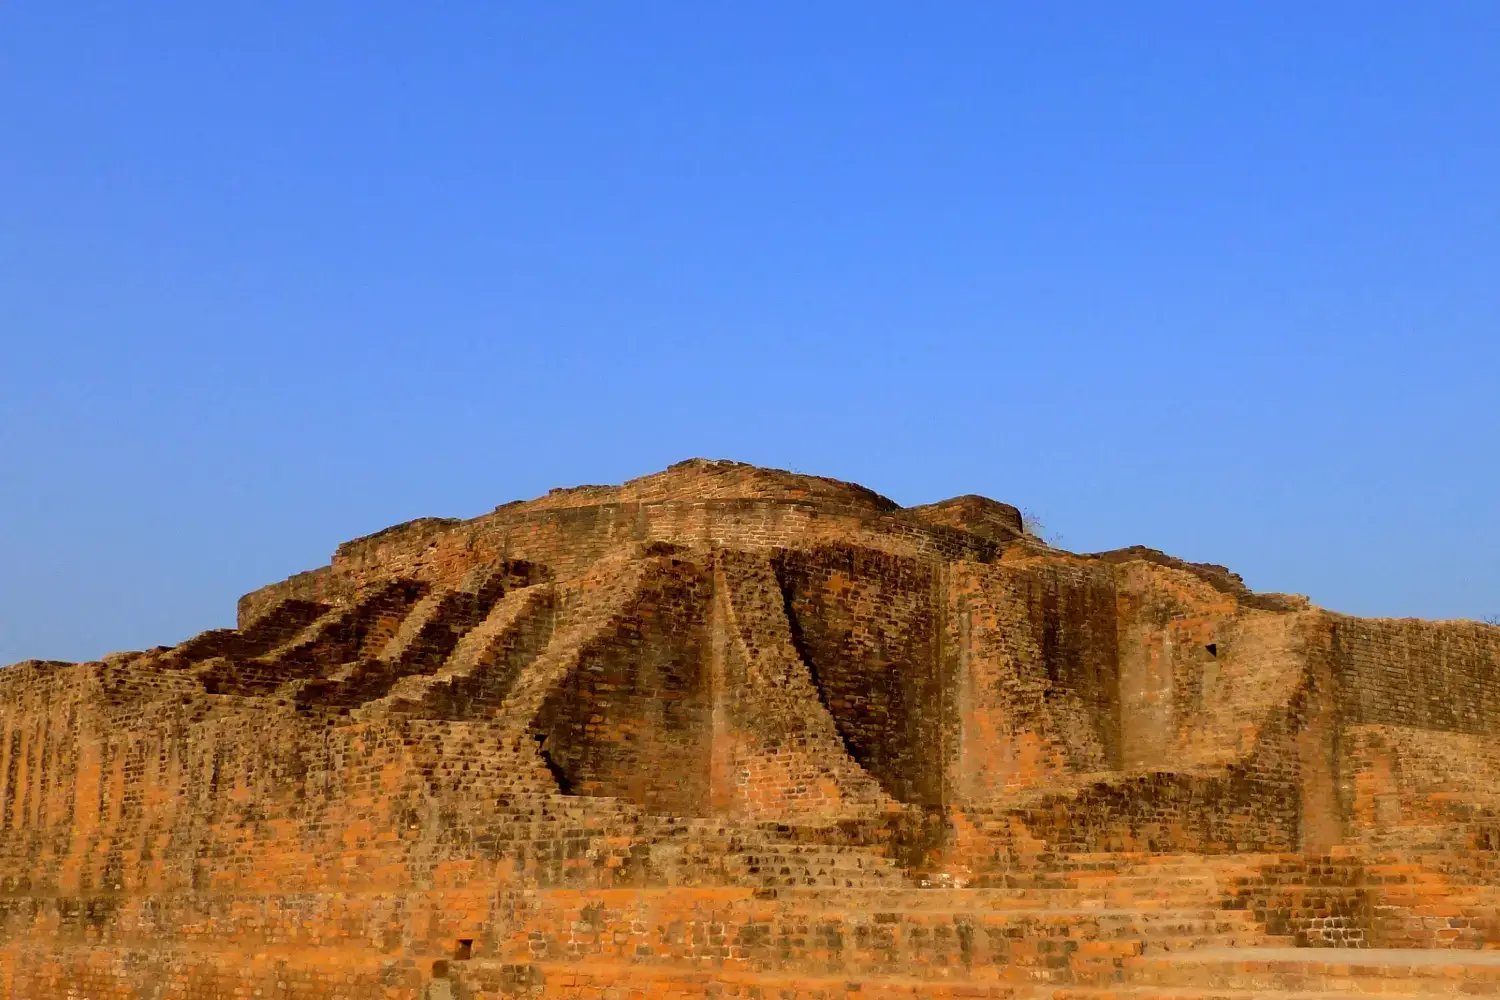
[1033, 526]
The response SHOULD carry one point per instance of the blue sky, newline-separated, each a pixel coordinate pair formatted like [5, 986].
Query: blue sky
[1219, 278]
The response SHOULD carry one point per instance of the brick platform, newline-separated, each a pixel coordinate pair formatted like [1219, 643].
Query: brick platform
[732, 732]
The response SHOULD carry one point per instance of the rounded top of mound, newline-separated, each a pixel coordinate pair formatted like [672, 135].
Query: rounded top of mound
[709, 479]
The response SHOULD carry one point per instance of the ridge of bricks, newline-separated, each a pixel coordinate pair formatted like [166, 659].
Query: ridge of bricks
[735, 732]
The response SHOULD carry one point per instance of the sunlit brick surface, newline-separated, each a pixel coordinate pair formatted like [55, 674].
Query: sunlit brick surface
[731, 732]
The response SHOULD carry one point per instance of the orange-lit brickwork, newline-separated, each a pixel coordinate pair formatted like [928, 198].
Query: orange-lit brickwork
[732, 732]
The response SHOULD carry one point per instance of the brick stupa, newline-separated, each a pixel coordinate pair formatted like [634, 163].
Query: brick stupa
[726, 731]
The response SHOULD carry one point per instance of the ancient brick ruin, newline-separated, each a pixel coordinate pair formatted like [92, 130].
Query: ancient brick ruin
[726, 731]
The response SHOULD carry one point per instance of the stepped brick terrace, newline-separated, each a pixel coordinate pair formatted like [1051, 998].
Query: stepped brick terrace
[731, 732]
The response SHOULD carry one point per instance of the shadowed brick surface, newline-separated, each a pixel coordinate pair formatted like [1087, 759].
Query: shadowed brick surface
[725, 731]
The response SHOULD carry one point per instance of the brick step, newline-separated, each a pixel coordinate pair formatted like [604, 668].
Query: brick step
[277, 626]
[555, 837]
[1222, 865]
[763, 868]
[782, 850]
[542, 825]
[971, 898]
[431, 629]
[1093, 880]
[1128, 880]
[1182, 993]
[1450, 867]
[1227, 868]
[811, 877]
[343, 634]
[474, 680]
[1394, 971]
[1077, 871]
[596, 600]
[666, 927]
[752, 870]
[593, 980]
[1153, 931]
[751, 843]
[981, 898]
[1121, 897]
[571, 807]
[1197, 923]
[721, 836]
[1114, 860]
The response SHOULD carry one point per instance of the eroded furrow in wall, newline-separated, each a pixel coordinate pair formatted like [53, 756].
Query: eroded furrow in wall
[631, 716]
[781, 749]
[867, 623]
[1034, 697]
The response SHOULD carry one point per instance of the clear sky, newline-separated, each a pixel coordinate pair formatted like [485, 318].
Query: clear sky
[1220, 278]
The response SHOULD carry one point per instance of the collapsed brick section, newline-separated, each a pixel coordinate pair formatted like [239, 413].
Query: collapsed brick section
[726, 730]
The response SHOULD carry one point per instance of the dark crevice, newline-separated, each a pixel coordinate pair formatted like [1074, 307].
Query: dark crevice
[799, 643]
[564, 784]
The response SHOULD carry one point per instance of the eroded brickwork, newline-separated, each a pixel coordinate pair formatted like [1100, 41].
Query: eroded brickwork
[727, 731]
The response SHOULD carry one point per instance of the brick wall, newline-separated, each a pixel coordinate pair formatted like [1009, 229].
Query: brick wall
[728, 722]
[1443, 676]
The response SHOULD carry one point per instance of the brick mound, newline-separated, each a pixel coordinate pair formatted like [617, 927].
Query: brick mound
[737, 732]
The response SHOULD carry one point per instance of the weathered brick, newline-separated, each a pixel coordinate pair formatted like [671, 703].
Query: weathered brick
[729, 731]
